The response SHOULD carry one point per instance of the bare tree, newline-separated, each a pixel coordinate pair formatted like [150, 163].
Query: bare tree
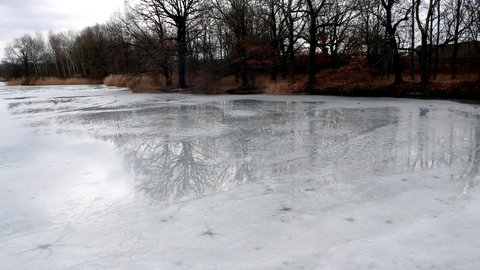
[425, 28]
[62, 48]
[237, 14]
[336, 28]
[457, 24]
[37, 50]
[370, 33]
[182, 15]
[146, 34]
[273, 19]
[21, 51]
[312, 11]
[395, 12]
[473, 12]
[294, 25]
[437, 43]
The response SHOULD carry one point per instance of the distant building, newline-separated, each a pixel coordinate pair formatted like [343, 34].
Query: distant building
[466, 51]
[468, 58]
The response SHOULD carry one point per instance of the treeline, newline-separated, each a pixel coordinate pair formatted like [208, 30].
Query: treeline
[181, 39]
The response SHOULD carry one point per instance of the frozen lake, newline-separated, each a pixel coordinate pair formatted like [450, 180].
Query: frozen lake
[98, 178]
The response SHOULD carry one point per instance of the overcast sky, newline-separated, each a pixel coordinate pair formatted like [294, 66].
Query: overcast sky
[18, 17]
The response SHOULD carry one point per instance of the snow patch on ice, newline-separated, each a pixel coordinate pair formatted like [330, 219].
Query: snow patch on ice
[96, 177]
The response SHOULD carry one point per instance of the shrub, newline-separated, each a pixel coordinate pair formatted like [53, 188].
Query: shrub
[50, 81]
[116, 80]
[60, 81]
[283, 88]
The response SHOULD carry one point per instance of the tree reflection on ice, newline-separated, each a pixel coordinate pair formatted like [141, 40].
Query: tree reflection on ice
[175, 169]
[471, 160]
[181, 148]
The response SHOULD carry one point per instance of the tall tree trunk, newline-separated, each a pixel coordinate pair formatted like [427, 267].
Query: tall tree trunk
[25, 66]
[391, 30]
[312, 31]
[57, 69]
[425, 31]
[437, 42]
[291, 45]
[274, 43]
[181, 40]
[456, 37]
[291, 60]
[397, 65]
[424, 60]
[454, 59]
[412, 56]
[430, 43]
[244, 66]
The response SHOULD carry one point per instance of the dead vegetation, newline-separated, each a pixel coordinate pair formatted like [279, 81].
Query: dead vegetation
[52, 81]
[354, 79]
[116, 80]
[284, 87]
[137, 83]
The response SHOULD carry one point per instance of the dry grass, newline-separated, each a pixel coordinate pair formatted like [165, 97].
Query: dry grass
[460, 78]
[60, 81]
[284, 87]
[442, 77]
[140, 83]
[227, 83]
[355, 75]
[348, 83]
[116, 80]
[208, 84]
[145, 83]
[51, 81]
[262, 81]
[15, 81]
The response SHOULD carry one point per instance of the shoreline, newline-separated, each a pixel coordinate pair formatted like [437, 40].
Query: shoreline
[466, 90]
[461, 90]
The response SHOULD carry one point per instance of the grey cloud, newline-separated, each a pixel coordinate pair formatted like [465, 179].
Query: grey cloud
[29, 14]
[18, 17]
[21, 16]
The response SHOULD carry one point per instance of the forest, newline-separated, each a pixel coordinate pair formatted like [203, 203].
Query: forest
[377, 47]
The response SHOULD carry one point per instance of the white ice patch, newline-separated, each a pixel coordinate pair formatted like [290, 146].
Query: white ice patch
[240, 113]
[99, 178]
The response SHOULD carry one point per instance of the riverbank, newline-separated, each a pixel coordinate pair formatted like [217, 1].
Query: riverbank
[294, 182]
[331, 84]
[457, 90]
[469, 90]
[52, 81]
[340, 83]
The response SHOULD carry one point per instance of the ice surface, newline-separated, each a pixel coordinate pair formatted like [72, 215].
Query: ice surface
[93, 177]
